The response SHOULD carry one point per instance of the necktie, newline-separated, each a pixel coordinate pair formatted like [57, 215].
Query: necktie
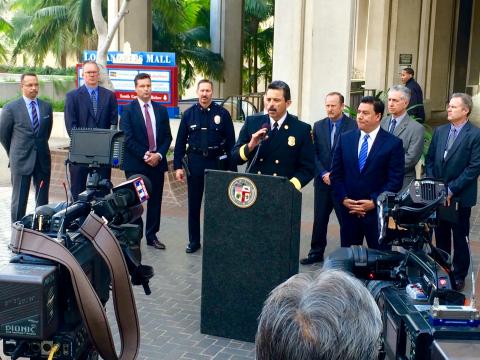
[451, 139]
[93, 96]
[393, 123]
[332, 135]
[35, 122]
[148, 123]
[274, 130]
[362, 156]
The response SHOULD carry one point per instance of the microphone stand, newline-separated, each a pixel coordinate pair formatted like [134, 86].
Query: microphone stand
[254, 157]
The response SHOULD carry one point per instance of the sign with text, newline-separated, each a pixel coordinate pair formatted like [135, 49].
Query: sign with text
[123, 67]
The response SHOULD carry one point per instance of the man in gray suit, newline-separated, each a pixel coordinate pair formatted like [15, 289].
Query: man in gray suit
[401, 125]
[25, 127]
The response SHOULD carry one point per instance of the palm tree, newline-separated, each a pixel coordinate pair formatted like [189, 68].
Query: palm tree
[61, 26]
[182, 27]
[258, 42]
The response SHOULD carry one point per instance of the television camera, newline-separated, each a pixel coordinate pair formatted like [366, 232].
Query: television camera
[39, 314]
[424, 317]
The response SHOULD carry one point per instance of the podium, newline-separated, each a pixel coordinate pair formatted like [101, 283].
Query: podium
[251, 241]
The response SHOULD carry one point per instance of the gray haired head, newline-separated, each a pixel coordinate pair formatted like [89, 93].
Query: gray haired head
[328, 317]
[406, 93]
[466, 100]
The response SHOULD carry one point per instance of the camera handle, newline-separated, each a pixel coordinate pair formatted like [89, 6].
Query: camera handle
[34, 243]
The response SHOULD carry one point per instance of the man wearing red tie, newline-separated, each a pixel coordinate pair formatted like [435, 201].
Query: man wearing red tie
[147, 139]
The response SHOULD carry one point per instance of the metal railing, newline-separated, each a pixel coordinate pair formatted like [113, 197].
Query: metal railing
[242, 106]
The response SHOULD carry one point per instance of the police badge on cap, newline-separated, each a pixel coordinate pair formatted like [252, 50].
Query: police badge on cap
[217, 119]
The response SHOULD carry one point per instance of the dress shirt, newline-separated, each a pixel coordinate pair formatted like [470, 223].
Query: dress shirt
[371, 139]
[29, 108]
[152, 116]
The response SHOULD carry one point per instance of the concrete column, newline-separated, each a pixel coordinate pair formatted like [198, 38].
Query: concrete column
[403, 40]
[312, 53]
[440, 52]
[226, 30]
[136, 27]
[359, 52]
[474, 58]
[377, 44]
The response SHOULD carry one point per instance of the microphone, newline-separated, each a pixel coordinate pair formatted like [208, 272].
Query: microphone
[265, 136]
[62, 224]
[40, 187]
[265, 126]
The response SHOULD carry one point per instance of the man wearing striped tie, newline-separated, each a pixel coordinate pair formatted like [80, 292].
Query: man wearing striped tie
[25, 127]
[366, 162]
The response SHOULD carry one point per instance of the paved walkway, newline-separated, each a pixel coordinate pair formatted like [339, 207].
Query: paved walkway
[170, 317]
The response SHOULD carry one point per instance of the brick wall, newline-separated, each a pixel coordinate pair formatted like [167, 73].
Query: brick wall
[174, 192]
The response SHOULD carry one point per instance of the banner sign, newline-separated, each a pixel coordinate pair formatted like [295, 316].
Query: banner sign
[123, 67]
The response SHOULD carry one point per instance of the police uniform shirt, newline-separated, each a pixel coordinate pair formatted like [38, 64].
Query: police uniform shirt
[220, 133]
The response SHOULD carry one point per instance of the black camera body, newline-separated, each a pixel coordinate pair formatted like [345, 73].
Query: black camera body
[38, 307]
[413, 286]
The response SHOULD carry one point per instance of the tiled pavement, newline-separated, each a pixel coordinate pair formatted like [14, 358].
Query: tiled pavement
[170, 317]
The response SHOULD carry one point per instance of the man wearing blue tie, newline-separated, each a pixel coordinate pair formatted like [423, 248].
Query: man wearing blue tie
[325, 136]
[89, 106]
[366, 162]
[25, 127]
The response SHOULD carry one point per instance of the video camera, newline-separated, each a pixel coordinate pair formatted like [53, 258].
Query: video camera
[423, 316]
[38, 307]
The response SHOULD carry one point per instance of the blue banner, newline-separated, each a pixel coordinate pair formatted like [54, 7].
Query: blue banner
[135, 58]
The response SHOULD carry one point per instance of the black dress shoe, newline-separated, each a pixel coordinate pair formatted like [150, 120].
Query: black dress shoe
[157, 244]
[311, 259]
[191, 248]
[459, 284]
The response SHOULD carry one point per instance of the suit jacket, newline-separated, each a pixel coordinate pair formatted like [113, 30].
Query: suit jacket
[289, 153]
[136, 138]
[383, 170]
[461, 168]
[412, 135]
[23, 146]
[416, 97]
[79, 109]
[323, 148]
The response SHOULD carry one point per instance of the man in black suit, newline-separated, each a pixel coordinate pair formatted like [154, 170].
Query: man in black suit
[366, 162]
[325, 135]
[416, 94]
[287, 150]
[454, 157]
[147, 139]
[89, 106]
[25, 128]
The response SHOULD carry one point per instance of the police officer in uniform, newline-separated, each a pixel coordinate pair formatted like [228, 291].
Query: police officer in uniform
[277, 143]
[207, 129]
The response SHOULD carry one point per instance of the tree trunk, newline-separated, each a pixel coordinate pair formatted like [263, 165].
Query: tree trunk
[105, 37]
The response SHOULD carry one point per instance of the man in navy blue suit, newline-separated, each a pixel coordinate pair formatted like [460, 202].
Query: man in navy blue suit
[325, 137]
[147, 139]
[366, 162]
[454, 157]
[279, 142]
[89, 106]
